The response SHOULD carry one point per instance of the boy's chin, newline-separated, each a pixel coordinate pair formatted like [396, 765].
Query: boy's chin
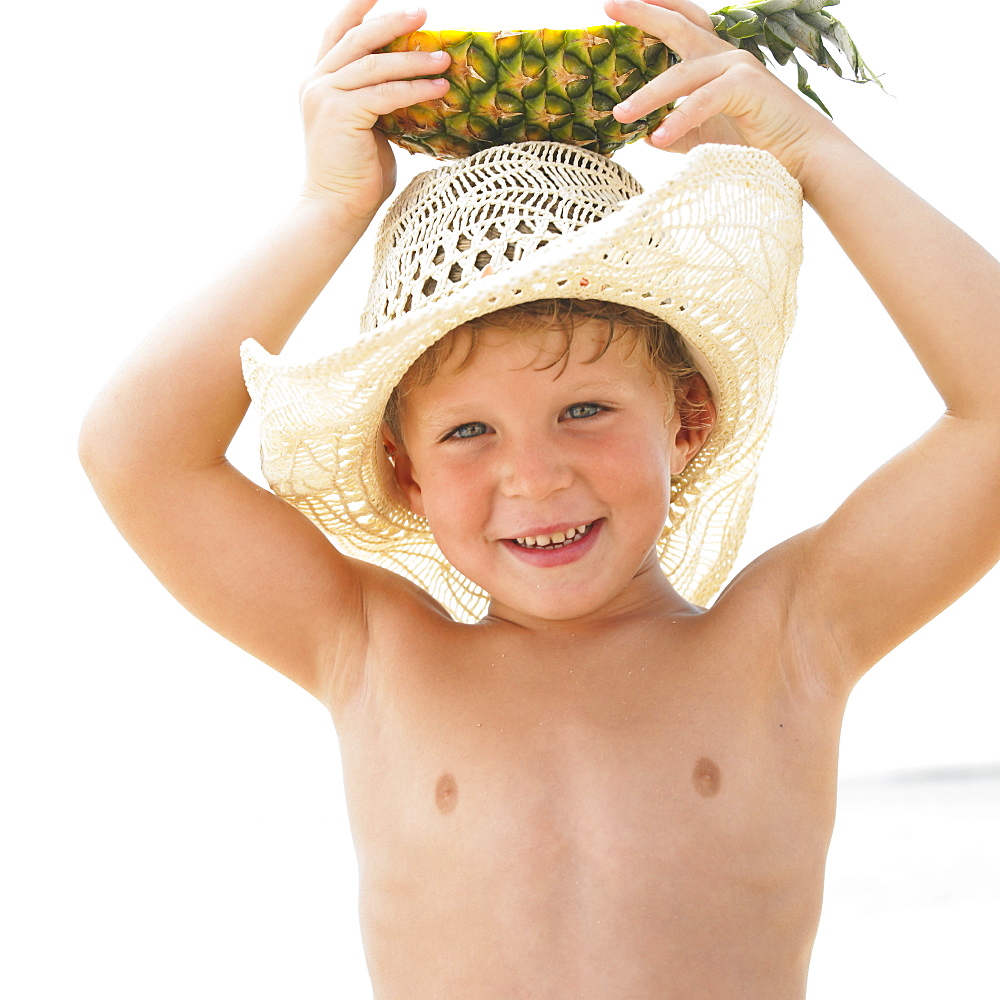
[587, 590]
[555, 606]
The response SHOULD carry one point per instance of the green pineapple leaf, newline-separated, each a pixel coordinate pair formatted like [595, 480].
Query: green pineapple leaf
[780, 28]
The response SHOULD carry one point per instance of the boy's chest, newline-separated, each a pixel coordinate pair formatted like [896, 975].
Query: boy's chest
[611, 761]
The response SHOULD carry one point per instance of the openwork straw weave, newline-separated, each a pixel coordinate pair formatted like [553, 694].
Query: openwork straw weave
[714, 251]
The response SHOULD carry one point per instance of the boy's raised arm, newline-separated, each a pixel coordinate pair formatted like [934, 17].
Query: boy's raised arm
[926, 526]
[154, 441]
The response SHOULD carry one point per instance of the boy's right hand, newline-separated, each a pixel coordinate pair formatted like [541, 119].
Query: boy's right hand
[353, 83]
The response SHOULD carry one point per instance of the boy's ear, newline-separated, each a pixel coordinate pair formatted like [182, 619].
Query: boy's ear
[397, 473]
[696, 408]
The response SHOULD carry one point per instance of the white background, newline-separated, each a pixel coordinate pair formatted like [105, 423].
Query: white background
[173, 818]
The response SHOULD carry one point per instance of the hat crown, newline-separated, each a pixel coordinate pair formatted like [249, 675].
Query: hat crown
[491, 209]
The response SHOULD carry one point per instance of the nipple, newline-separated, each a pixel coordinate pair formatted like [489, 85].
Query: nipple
[446, 793]
[706, 777]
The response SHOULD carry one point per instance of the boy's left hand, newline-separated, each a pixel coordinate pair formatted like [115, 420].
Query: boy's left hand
[729, 96]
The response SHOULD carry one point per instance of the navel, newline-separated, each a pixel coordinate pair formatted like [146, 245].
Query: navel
[446, 793]
[706, 777]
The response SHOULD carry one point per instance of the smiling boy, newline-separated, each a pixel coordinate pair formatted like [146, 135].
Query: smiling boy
[536, 440]
[567, 775]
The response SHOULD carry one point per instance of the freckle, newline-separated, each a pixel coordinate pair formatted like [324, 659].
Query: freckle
[706, 777]
[446, 793]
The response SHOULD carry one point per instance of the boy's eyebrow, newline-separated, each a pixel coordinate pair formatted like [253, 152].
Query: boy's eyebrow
[451, 414]
[598, 382]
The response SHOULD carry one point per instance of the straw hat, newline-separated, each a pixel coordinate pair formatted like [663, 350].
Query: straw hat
[714, 252]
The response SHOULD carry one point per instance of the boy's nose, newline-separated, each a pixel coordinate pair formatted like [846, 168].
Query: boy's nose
[533, 470]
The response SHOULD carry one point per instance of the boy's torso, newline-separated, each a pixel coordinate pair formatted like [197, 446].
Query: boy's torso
[638, 812]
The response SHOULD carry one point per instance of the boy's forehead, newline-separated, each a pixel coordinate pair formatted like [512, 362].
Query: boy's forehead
[497, 344]
[586, 355]
[480, 364]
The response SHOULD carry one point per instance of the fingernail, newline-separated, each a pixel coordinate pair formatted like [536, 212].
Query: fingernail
[413, 11]
[625, 108]
[439, 56]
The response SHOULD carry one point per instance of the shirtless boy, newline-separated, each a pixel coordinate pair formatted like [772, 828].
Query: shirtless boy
[600, 789]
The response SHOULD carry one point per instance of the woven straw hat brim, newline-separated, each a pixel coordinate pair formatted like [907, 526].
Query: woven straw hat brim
[714, 251]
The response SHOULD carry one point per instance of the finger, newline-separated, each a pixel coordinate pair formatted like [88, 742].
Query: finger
[697, 15]
[351, 15]
[688, 38]
[725, 94]
[383, 68]
[384, 98]
[681, 80]
[370, 36]
[360, 106]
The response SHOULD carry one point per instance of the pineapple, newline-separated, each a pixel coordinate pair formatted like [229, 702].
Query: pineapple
[519, 86]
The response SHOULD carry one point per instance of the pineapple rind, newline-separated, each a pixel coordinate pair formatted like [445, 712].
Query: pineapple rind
[518, 86]
[563, 85]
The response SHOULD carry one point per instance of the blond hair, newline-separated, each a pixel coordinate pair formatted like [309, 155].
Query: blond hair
[659, 346]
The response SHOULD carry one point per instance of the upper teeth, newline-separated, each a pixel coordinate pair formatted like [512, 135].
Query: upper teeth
[556, 538]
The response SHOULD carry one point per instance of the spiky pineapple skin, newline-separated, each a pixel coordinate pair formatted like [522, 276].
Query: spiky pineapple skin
[516, 86]
[520, 86]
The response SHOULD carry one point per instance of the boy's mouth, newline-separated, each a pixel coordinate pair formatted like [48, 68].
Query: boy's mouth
[557, 540]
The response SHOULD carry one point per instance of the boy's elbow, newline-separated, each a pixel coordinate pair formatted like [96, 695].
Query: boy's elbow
[93, 450]
[102, 446]
[88, 441]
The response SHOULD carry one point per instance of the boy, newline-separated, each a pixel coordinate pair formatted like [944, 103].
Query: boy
[600, 789]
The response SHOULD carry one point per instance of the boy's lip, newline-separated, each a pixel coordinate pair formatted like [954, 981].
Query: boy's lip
[568, 553]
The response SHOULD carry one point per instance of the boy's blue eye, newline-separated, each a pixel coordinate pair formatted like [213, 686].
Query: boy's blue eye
[580, 410]
[468, 430]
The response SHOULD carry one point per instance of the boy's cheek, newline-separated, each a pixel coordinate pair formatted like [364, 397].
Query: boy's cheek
[453, 506]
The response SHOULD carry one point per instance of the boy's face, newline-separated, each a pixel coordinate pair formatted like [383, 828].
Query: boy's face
[502, 453]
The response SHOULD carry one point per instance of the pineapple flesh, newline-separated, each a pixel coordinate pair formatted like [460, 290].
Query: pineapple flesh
[562, 85]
